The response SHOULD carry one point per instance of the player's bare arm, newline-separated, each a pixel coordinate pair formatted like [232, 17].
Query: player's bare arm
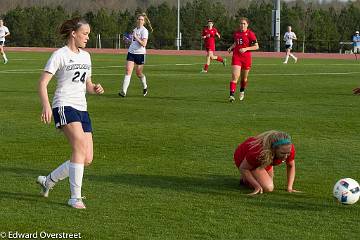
[356, 91]
[231, 47]
[254, 47]
[142, 42]
[245, 170]
[46, 113]
[94, 88]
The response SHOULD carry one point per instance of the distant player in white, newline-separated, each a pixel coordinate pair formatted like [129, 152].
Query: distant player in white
[289, 36]
[136, 54]
[4, 32]
[72, 68]
[356, 42]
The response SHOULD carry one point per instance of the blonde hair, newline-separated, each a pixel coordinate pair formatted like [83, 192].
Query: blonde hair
[147, 20]
[268, 141]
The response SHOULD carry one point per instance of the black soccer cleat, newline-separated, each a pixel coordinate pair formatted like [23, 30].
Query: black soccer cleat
[121, 94]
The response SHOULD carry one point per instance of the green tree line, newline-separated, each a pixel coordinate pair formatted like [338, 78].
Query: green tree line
[317, 29]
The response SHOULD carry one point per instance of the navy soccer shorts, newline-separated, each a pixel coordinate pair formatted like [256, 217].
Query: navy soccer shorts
[67, 114]
[138, 59]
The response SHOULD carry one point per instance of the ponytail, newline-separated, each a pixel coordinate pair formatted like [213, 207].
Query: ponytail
[147, 20]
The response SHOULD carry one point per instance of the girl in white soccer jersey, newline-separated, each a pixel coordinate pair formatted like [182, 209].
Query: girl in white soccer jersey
[289, 36]
[72, 67]
[4, 32]
[136, 54]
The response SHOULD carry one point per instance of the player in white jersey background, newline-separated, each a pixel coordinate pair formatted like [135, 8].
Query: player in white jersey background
[289, 36]
[4, 32]
[136, 54]
[72, 67]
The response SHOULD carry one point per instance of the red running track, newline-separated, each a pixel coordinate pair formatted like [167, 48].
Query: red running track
[192, 53]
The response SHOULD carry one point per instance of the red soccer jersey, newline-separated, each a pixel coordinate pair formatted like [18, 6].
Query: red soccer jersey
[210, 35]
[243, 40]
[246, 150]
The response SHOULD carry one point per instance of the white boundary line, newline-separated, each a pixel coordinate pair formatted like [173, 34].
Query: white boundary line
[225, 74]
[199, 74]
[38, 71]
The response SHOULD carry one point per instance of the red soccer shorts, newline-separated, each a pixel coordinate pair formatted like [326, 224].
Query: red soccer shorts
[243, 62]
[210, 48]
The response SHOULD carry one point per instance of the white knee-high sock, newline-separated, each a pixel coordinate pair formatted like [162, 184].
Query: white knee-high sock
[286, 58]
[126, 83]
[143, 81]
[292, 55]
[76, 172]
[4, 56]
[60, 173]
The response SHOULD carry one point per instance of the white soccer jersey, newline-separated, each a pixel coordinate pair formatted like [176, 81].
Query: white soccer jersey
[288, 37]
[71, 70]
[135, 46]
[3, 30]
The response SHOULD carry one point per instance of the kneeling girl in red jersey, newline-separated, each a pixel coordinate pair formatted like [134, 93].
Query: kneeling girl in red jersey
[256, 156]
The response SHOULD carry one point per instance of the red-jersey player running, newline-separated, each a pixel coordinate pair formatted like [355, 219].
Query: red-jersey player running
[208, 34]
[244, 42]
[256, 156]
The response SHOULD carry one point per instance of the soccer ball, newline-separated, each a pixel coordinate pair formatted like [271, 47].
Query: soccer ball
[347, 191]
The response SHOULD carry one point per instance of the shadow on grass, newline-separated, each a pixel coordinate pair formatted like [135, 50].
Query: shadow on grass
[21, 196]
[23, 171]
[22, 91]
[167, 98]
[26, 173]
[311, 93]
[211, 184]
[225, 186]
[208, 184]
[298, 202]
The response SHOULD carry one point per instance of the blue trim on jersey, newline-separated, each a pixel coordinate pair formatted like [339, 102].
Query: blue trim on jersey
[65, 114]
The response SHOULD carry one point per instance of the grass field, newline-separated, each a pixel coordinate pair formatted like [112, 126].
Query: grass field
[163, 165]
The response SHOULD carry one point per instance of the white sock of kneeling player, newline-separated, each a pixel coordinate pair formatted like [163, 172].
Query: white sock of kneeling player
[126, 83]
[60, 173]
[143, 81]
[76, 173]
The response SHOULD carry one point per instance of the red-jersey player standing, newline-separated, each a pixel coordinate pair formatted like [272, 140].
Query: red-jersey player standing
[208, 34]
[244, 42]
[256, 156]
